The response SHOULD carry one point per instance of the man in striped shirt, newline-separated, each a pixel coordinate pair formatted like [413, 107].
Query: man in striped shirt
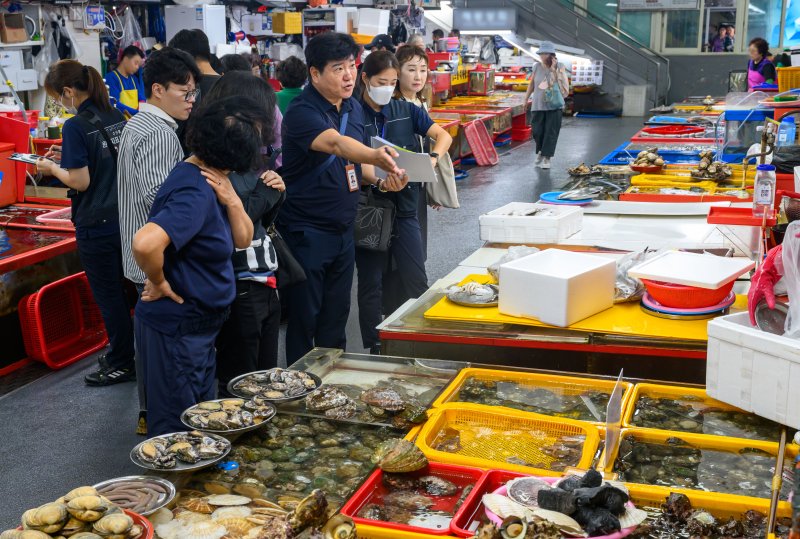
[148, 150]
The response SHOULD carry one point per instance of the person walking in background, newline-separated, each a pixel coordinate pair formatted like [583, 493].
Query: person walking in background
[292, 73]
[89, 169]
[323, 130]
[148, 151]
[125, 85]
[548, 86]
[185, 251]
[248, 340]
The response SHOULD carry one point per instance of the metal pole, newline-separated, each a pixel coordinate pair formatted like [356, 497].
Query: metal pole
[14, 93]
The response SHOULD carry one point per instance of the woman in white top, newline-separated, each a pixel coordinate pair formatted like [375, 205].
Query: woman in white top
[549, 86]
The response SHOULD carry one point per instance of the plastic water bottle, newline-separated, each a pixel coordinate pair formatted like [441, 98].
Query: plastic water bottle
[764, 192]
[787, 133]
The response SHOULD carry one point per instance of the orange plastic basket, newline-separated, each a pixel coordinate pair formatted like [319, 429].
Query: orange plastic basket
[490, 437]
[61, 323]
[562, 388]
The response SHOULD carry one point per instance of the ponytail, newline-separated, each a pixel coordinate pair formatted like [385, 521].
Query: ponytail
[72, 74]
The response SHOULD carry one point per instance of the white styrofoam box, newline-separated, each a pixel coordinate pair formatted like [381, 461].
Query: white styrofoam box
[754, 370]
[282, 51]
[257, 24]
[371, 30]
[371, 19]
[634, 100]
[26, 79]
[11, 60]
[557, 287]
[553, 224]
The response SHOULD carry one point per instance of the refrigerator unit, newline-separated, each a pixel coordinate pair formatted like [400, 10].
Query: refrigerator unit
[208, 18]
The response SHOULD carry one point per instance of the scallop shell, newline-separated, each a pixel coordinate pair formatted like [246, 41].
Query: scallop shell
[504, 507]
[236, 527]
[162, 516]
[198, 505]
[170, 530]
[191, 516]
[228, 499]
[234, 511]
[564, 523]
[632, 516]
[203, 530]
[255, 533]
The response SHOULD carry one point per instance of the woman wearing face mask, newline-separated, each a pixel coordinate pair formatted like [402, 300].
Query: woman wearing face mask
[401, 123]
[89, 168]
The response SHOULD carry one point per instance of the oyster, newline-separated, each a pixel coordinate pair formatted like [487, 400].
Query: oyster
[275, 384]
[326, 398]
[384, 398]
[184, 451]
[406, 499]
[437, 486]
[311, 512]
[398, 455]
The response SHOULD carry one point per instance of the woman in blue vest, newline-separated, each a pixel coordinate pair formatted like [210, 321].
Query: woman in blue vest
[401, 123]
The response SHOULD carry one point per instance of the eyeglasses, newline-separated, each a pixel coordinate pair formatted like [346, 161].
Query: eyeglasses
[191, 94]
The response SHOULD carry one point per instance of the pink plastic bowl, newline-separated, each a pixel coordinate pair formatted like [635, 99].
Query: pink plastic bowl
[502, 491]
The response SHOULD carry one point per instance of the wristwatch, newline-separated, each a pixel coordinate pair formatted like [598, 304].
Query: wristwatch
[434, 155]
[379, 185]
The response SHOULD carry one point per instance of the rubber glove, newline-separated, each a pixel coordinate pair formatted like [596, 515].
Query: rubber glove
[762, 284]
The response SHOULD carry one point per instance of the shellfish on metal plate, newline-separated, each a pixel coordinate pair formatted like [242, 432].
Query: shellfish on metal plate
[326, 398]
[275, 384]
[228, 414]
[474, 293]
[164, 452]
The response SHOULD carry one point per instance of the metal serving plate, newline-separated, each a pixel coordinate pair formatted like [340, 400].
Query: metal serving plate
[771, 320]
[185, 420]
[182, 466]
[232, 390]
[163, 499]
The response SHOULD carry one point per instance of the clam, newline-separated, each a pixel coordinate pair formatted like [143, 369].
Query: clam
[87, 508]
[513, 528]
[23, 534]
[48, 518]
[339, 527]
[80, 491]
[566, 524]
[116, 524]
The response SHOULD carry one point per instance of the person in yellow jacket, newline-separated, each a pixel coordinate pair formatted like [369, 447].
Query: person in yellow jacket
[125, 86]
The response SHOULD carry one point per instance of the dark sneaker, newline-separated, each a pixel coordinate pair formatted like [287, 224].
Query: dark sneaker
[106, 376]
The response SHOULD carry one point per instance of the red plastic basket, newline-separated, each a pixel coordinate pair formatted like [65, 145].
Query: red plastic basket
[480, 142]
[521, 134]
[471, 513]
[61, 323]
[373, 491]
[678, 296]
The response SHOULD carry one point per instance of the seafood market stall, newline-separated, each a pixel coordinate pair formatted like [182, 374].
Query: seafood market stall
[485, 452]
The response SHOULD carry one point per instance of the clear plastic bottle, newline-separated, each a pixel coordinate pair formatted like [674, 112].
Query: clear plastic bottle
[787, 133]
[764, 192]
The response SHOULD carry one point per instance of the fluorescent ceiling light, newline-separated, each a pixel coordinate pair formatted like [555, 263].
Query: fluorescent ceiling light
[501, 33]
[756, 10]
[611, 4]
[562, 48]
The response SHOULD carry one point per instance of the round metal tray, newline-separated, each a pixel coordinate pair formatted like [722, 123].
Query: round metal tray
[233, 391]
[181, 466]
[185, 421]
[684, 317]
[163, 499]
[465, 304]
[771, 320]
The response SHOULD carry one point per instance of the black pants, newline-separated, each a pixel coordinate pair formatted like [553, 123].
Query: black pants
[387, 280]
[101, 258]
[546, 126]
[248, 340]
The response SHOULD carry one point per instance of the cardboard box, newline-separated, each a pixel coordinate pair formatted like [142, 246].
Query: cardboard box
[557, 287]
[12, 28]
[26, 79]
[287, 23]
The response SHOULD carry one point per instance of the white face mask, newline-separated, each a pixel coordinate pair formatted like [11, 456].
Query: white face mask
[381, 95]
[71, 109]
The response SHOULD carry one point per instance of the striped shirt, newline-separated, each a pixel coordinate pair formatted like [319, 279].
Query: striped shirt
[148, 151]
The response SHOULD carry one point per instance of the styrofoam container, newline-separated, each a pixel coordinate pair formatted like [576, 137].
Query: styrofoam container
[753, 370]
[554, 224]
[557, 287]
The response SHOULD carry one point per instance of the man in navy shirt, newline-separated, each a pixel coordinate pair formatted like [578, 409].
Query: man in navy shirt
[322, 149]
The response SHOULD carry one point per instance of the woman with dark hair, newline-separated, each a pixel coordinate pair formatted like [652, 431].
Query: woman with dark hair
[125, 85]
[236, 62]
[401, 123]
[185, 251]
[248, 340]
[89, 168]
[292, 74]
[759, 70]
[413, 75]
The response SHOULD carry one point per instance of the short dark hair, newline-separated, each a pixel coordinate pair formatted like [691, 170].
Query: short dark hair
[195, 42]
[761, 46]
[225, 133]
[132, 50]
[168, 66]
[437, 34]
[245, 84]
[456, 32]
[292, 72]
[235, 62]
[323, 49]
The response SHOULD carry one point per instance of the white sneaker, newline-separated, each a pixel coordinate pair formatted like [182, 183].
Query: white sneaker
[545, 162]
[538, 159]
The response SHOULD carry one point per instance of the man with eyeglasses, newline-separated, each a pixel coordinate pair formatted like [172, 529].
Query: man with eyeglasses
[148, 151]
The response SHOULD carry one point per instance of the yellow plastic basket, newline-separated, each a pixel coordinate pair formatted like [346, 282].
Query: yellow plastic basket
[788, 78]
[489, 437]
[561, 386]
[710, 443]
[666, 180]
[365, 531]
[697, 395]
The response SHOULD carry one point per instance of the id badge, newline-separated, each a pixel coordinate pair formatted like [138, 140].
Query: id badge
[352, 178]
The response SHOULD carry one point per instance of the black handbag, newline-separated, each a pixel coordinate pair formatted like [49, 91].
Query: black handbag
[289, 272]
[374, 221]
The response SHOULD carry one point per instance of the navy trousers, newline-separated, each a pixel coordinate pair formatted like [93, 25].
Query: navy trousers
[387, 280]
[319, 306]
[179, 370]
[101, 257]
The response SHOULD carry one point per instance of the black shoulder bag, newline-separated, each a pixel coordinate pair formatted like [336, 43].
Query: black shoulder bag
[374, 222]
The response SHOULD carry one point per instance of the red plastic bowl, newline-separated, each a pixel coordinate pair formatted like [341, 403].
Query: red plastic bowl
[680, 296]
[374, 490]
[651, 169]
